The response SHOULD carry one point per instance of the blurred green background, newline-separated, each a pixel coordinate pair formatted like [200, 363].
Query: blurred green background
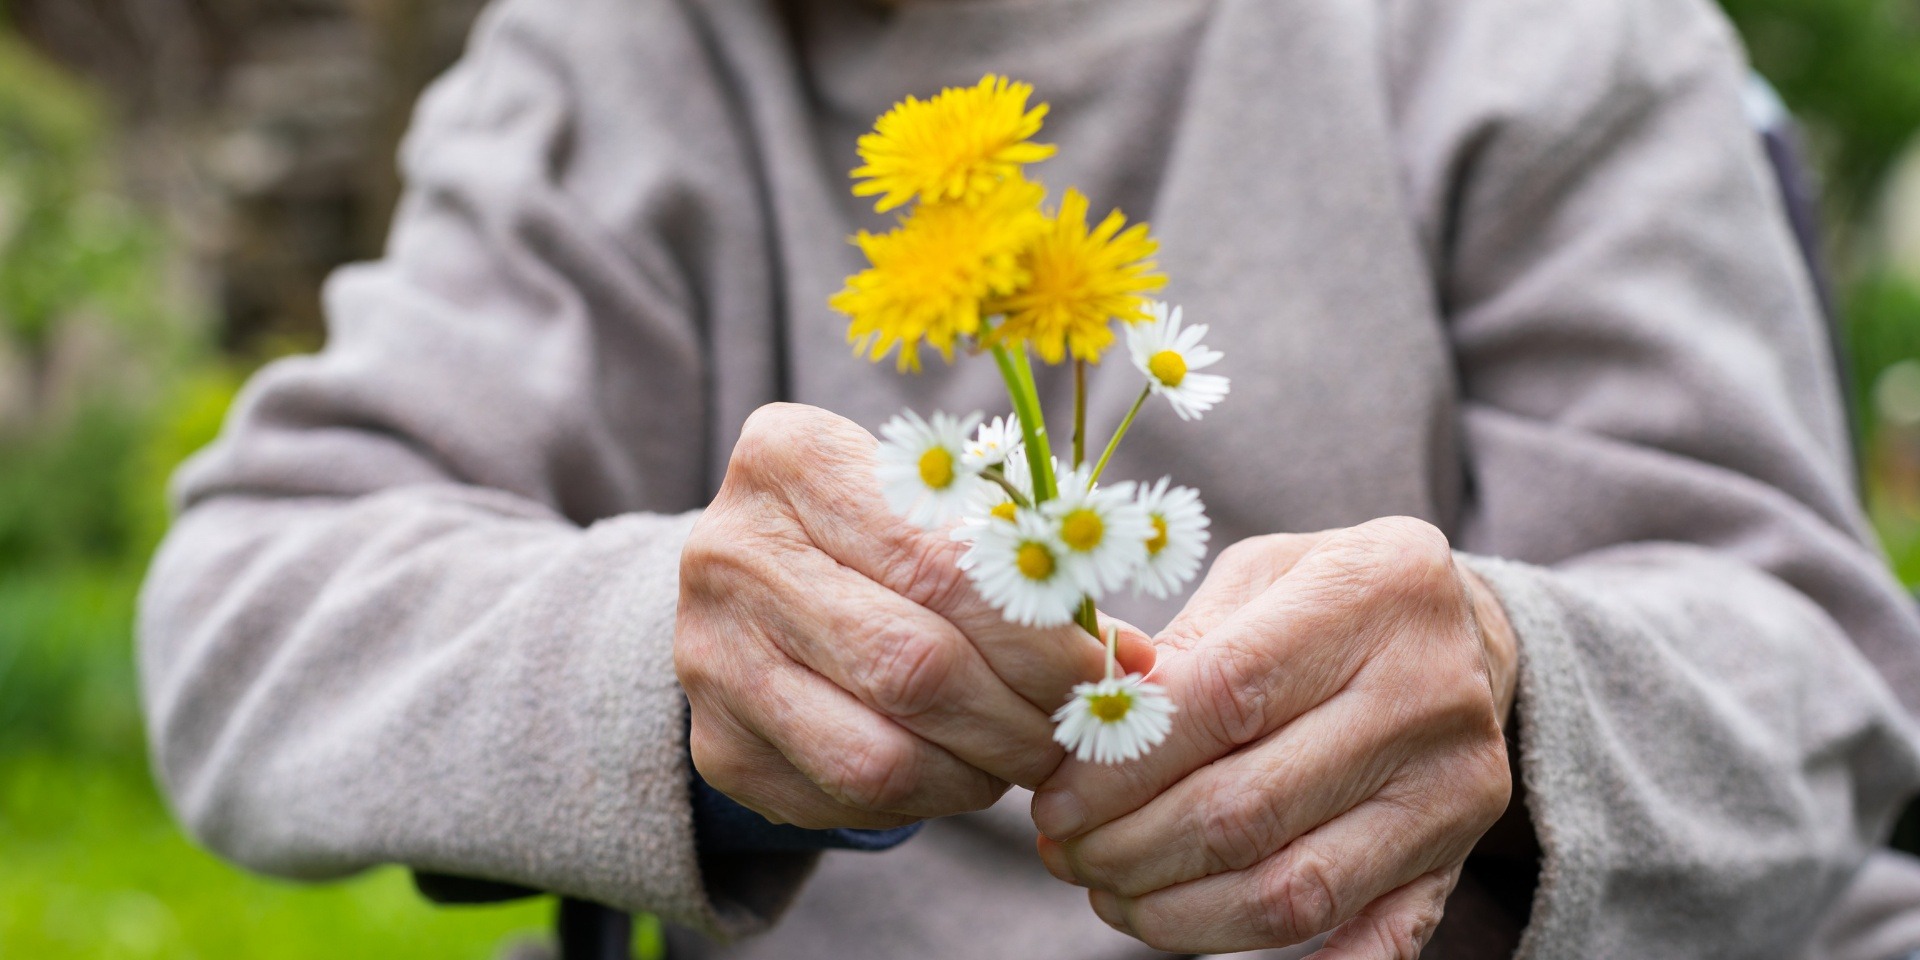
[175, 179]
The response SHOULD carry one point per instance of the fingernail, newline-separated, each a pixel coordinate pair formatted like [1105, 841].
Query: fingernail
[1138, 655]
[1058, 814]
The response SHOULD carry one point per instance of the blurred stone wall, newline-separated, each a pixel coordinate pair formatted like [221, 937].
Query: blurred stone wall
[265, 129]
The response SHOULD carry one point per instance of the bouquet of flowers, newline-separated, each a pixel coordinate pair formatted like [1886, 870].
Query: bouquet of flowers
[977, 263]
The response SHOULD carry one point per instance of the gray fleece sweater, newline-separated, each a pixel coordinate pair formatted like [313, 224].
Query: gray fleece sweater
[1514, 267]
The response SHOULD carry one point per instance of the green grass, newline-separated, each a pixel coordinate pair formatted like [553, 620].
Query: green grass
[94, 866]
[97, 870]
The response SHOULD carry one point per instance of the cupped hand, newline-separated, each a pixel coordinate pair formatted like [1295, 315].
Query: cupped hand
[840, 668]
[1338, 753]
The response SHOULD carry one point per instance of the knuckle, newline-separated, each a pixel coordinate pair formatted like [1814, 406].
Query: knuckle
[1242, 554]
[1255, 560]
[1236, 827]
[763, 437]
[1405, 934]
[1296, 899]
[725, 549]
[1455, 702]
[777, 420]
[1404, 556]
[1424, 921]
[1234, 707]
[981, 791]
[1495, 784]
[910, 671]
[1399, 939]
[1417, 552]
[792, 436]
[706, 550]
[1147, 921]
[779, 440]
[928, 573]
[1155, 930]
[873, 775]
[1034, 767]
[703, 659]
[692, 662]
[719, 759]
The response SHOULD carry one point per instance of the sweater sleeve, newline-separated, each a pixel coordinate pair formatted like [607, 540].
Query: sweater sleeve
[1717, 672]
[418, 604]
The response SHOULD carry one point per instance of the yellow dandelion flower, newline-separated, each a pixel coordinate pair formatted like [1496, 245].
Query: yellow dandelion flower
[957, 146]
[932, 274]
[1080, 281]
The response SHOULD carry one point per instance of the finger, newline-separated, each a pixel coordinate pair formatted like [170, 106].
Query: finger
[1313, 885]
[1136, 651]
[1286, 650]
[853, 754]
[1240, 573]
[908, 664]
[1229, 694]
[756, 776]
[1237, 811]
[1396, 926]
[1053, 856]
[831, 490]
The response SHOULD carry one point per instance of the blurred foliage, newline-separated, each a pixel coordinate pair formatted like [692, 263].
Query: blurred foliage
[1882, 330]
[1850, 72]
[1850, 69]
[94, 865]
[68, 243]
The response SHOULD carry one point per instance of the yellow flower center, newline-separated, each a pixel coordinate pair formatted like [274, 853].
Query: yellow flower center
[1110, 707]
[1003, 511]
[1168, 367]
[1158, 541]
[936, 468]
[1082, 530]
[1035, 561]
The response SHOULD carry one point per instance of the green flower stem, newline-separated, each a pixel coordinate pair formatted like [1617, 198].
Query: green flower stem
[1079, 413]
[999, 477]
[1018, 375]
[1114, 444]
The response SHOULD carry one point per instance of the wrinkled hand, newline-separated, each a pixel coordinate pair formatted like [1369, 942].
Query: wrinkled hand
[1337, 755]
[842, 671]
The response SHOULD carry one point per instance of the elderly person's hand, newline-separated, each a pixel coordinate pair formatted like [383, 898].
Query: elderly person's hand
[841, 670]
[1337, 754]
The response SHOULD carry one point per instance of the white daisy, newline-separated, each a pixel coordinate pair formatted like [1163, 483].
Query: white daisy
[1179, 539]
[997, 439]
[990, 502]
[922, 467]
[1169, 356]
[1021, 569]
[1114, 720]
[1104, 531]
